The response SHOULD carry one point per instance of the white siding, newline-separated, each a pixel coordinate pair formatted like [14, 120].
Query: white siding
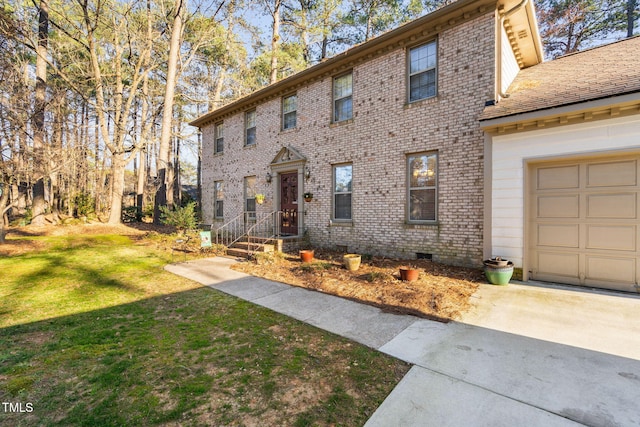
[510, 154]
[509, 64]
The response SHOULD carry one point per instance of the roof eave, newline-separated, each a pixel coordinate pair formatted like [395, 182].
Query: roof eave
[424, 27]
[605, 107]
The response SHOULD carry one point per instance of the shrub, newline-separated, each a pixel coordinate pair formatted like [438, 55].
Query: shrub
[373, 276]
[268, 258]
[84, 204]
[181, 217]
[131, 214]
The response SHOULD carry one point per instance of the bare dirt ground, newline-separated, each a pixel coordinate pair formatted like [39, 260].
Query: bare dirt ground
[440, 293]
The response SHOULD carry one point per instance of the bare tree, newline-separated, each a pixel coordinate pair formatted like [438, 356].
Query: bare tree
[39, 112]
[164, 195]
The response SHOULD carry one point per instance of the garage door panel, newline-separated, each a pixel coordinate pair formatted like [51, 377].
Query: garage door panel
[607, 237]
[620, 205]
[584, 227]
[608, 269]
[613, 174]
[559, 206]
[558, 177]
[559, 235]
[558, 263]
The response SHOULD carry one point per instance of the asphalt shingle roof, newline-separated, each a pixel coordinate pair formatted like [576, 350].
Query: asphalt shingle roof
[596, 73]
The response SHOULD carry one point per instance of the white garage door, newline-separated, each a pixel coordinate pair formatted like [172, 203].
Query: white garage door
[584, 223]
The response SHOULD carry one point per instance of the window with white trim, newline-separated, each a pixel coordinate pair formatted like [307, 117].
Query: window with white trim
[250, 197]
[219, 146]
[250, 128]
[342, 97]
[422, 188]
[342, 188]
[289, 111]
[422, 71]
[218, 200]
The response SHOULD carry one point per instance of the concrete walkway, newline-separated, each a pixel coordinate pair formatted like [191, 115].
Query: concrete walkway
[524, 356]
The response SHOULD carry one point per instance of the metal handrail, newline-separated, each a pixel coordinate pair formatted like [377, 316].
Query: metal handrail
[267, 229]
[230, 232]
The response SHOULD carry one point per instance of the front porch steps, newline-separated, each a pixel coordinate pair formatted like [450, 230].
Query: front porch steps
[241, 248]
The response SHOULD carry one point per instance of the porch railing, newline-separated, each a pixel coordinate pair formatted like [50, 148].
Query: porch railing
[255, 227]
[231, 231]
[265, 231]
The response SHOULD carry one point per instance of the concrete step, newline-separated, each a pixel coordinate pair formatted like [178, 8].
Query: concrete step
[240, 253]
[256, 247]
[241, 249]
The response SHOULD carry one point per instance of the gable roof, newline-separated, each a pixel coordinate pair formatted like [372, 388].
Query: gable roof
[423, 28]
[594, 74]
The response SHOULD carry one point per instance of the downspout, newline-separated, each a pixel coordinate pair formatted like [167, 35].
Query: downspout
[503, 17]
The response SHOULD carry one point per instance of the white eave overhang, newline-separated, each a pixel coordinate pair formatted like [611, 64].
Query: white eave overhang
[522, 31]
[597, 109]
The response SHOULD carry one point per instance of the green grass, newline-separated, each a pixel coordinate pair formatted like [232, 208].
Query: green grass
[93, 332]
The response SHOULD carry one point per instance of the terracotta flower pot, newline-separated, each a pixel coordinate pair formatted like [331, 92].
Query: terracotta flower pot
[306, 255]
[352, 261]
[409, 274]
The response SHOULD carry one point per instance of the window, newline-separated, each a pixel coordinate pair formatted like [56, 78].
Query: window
[250, 126]
[218, 200]
[342, 185]
[250, 197]
[423, 174]
[342, 103]
[422, 71]
[289, 111]
[219, 148]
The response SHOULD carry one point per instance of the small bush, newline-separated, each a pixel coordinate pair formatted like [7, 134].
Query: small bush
[84, 204]
[131, 214]
[182, 217]
[268, 258]
[373, 276]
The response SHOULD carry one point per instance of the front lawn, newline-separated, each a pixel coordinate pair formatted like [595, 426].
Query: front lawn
[94, 332]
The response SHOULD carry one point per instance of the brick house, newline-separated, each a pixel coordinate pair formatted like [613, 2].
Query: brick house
[386, 136]
[563, 169]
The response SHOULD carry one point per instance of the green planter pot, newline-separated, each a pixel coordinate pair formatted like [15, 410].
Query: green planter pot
[498, 274]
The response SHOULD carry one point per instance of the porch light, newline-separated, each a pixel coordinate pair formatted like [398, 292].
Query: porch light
[307, 173]
[269, 177]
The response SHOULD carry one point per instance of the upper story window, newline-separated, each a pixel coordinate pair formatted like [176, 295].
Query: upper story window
[218, 200]
[342, 99]
[422, 71]
[250, 127]
[422, 170]
[289, 111]
[342, 186]
[219, 147]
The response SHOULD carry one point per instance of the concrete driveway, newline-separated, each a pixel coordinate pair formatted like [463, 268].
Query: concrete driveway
[526, 355]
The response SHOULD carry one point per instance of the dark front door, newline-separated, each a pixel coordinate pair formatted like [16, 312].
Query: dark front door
[289, 203]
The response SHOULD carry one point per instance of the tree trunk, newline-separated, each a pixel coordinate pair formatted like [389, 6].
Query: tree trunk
[631, 7]
[117, 187]
[228, 48]
[146, 121]
[275, 41]
[38, 207]
[163, 195]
